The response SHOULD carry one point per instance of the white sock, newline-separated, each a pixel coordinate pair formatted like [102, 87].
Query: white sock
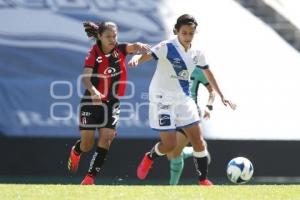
[200, 154]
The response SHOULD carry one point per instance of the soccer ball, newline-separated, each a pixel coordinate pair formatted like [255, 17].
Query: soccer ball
[239, 170]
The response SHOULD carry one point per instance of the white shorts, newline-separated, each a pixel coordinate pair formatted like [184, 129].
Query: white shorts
[172, 116]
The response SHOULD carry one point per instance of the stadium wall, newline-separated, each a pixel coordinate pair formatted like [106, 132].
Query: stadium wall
[47, 157]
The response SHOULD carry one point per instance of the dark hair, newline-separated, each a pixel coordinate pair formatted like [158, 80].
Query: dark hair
[92, 28]
[185, 19]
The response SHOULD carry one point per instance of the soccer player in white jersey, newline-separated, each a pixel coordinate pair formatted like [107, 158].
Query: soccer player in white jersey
[171, 106]
[182, 151]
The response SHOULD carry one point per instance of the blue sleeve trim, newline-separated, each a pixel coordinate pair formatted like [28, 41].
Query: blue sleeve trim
[154, 56]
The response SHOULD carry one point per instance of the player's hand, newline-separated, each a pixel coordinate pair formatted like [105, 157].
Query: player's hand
[143, 48]
[227, 102]
[134, 61]
[206, 114]
[97, 98]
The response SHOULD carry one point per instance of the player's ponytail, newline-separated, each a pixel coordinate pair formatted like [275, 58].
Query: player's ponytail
[185, 19]
[92, 29]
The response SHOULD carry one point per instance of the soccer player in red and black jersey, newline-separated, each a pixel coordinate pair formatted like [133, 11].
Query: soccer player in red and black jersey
[104, 78]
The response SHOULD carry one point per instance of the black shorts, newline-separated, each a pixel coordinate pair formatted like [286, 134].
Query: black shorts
[93, 117]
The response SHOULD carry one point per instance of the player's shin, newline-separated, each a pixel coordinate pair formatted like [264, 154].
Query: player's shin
[97, 161]
[201, 164]
[187, 152]
[176, 167]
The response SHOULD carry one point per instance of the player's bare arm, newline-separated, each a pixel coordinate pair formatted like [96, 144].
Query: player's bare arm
[139, 59]
[210, 101]
[95, 94]
[212, 81]
[137, 47]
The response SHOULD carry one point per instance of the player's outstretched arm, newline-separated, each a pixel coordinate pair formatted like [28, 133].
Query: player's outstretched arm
[137, 47]
[138, 59]
[212, 81]
[86, 80]
[211, 95]
[210, 101]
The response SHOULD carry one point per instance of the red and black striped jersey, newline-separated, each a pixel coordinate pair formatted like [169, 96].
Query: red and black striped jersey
[109, 70]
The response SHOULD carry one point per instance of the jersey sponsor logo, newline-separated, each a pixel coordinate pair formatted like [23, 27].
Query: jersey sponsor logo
[99, 59]
[177, 66]
[157, 48]
[164, 120]
[163, 107]
[176, 61]
[163, 44]
[195, 59]
[182, 75]
[116, 115]
[109, 70]
[85, 114]
[115, 54]
[83, 120]
[98, 169]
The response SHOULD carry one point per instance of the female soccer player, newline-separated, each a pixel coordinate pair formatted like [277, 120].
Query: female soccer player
[104, 78]
[181, 152]
[171, 106]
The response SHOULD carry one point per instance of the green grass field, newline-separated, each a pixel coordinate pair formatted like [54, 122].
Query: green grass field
[64, 192]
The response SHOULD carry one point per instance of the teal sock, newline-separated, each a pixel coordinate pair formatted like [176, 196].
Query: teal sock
[187, 152]
[176, 167]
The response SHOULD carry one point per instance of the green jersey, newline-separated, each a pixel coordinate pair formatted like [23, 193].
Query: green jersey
[197, 77]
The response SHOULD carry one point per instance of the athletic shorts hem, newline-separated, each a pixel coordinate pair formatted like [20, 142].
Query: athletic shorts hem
[180, 130]
[94, 128]
[185, 126]
[155, 129]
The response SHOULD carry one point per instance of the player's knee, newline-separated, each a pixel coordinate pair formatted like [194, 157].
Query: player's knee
[111, 135]
[203, 144]
[199, 146]
[86, 146]
[108, 136]
[171, 146]
[176, 153]
[106, 139]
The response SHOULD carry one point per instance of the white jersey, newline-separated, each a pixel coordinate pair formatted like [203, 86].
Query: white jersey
[171, 79]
